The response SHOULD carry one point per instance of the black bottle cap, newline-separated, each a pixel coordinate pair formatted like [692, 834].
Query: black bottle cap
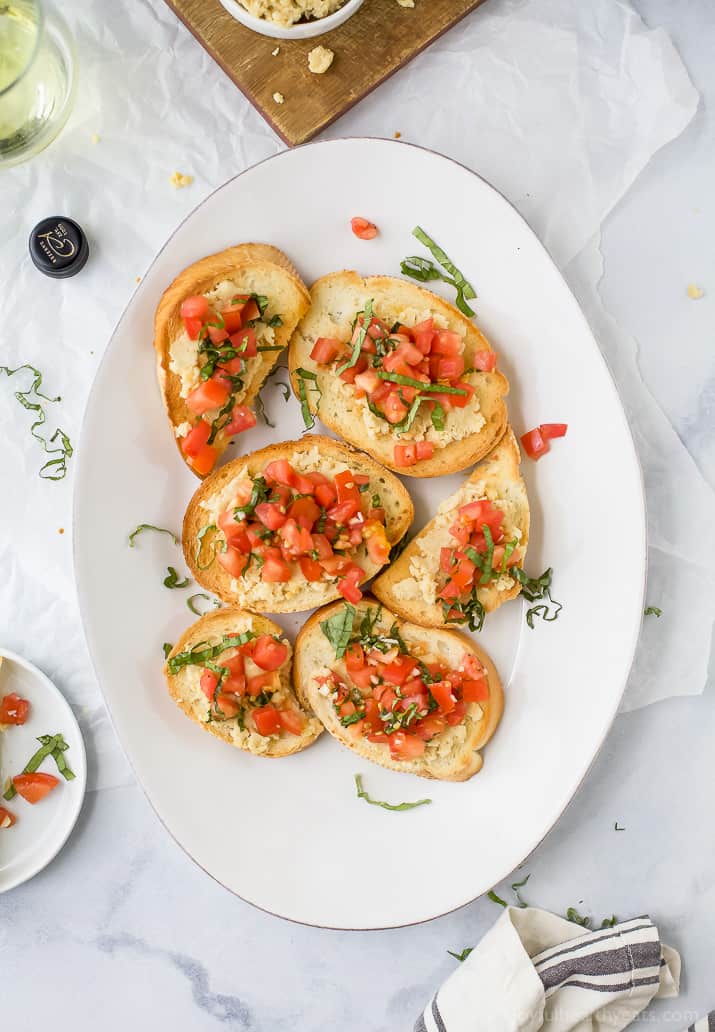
[58, 247]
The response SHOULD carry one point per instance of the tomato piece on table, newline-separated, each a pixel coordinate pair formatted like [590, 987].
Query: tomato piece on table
[34, 787]
[267, 720]
[551, 430]
[269, 654]
[7, 819]
[363, 228]
[14, 709]
[534, 443]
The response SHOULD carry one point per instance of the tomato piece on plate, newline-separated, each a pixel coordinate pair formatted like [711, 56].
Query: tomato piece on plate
[210, 394]
[535, 444]
[292, 721]
[269, 654]
[326, 349]
[485, 361]
[363, 228]
[241, 419]
[7, 819]
[14, 709]
[405, 455]
[267, 720]
[34, 787]
[405, 747]
[551, 430]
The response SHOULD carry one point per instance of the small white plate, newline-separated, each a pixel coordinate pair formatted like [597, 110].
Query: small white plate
[41, 830]
[302, 30]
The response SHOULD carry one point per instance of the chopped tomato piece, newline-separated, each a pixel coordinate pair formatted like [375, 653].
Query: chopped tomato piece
[424, 450]
[322, 546]
[305, 512]
[232, 318]
[460, 400]
[208, 683]
[244, 341]
[344, 511]
[7, 819]
[349, 585]
[310, 568]
[241, 419]
[354, 657]
[14, 709]
[275, 571]
[194, 307]
[270, 515]
[447, 342]
[405, 747]
[325, 495]
[482, 512]
[196, 438]
[233, 561]
[430, 726]
[475, 691]
[268, 653]
[227, 705]
[235, 683]
[485, 361]
[450, 368]
[255, 685]
[292, 721]
[34, 787]
[378, 546]
[535, 444]
[443, 695]
[326, 349]
[193, 328]
[210, 394]
[551, 430]
[204, 460]
[250, 311]
[280, 471]
[405, 455]
[267, 720]
[347, 486]
[399, 670]
[217, 333]
[363, 228]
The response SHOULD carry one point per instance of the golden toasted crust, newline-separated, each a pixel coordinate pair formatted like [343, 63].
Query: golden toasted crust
[258, 268]
[395, 498]
[455, 758]
[184, 689]
[335, 300]
[500, 479]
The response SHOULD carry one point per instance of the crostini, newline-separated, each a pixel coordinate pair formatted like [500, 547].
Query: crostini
[415, 700]
[294, 525]
[462, 564]
[230, 672]
[218, 332]
[396, 370]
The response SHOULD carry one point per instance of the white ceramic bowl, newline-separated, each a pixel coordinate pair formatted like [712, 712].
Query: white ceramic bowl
[304, 30]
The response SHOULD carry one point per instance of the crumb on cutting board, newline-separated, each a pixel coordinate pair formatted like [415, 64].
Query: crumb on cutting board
[276, 52]
[406, 3]
[320, 59]
[694, 292]
[279, 98]
[179, 180]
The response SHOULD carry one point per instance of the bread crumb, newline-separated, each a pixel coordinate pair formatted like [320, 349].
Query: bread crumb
[276, 52]
[320, 59]
[398, 135]
[406, 3]
[96, 137]
[178, 179]
[694, 292]
[61, 530]
[279, 98]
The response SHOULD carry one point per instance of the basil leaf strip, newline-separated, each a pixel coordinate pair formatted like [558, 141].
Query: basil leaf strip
[261, 411]
[653, 611]
[312, 378]
[58, 754]
[45, 750]
[421, 269]
[461, 956]
[407, 381]
[200, 656]
[573, 915]
[362, 794]
[515, 889]
[172, 579]
[201, 594]
[437, 417]
[535, 589]
[497, 899]
[367, 315]
[213, 545]
[464, 288]
[53, 469]
[166, 648]
[150, 526]
[339, 628]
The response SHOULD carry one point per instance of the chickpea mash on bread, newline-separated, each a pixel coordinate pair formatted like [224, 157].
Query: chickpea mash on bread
[287, 12]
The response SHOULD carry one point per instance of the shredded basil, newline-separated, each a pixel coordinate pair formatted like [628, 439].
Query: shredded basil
[149, 526]
[497, 899]
[609, 922]
[424, 270]
[167, 647]
[59, 749]
[307, 378]
[535, 588]
[573, 915]
[515, 889]
[471, 612]
[407, 381]
[53, 469]
[437, 416]
[653, 611]
[362, 794]
[261, 411]
[259, 493]
[275, 320]
[461, 956]
[339, 628]
[213, 546]
[202, 654]
[405, 424]
[201, 594]
[172, 579]
[367, 316]
[46, 749]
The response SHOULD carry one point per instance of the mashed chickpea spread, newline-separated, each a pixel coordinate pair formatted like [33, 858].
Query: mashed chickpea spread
[287, 12]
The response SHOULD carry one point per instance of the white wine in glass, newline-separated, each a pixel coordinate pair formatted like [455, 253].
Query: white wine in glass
[37, 78]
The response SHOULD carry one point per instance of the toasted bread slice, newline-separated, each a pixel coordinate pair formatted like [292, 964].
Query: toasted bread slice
[312, 453]
[409, 585]
[244, 269]
[469, 433]
[184, 686]
[452, 754]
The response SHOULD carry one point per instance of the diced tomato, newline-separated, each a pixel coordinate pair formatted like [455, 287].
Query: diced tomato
[193, 327]
[14, 709]
[399, 670]
[354, 657]
[235, 683]
[322, 546]
[267, 720]
[250, 311]
[362, 677]
[227, 706]
[310, 568]
[280, 471]
[232, 318]
[292, 721]
[7, 819]
[450, 368]
[259, 682]
[208, 683]
[405, 455]
[233, 561]
[275, 571]
[429, 726]
[34, 787]
[535, 444]
[405, 747]
[448, 343]
[210, 394]
[269, 654]
[281, 494]
[245, 343]
[378, 546]
[393, 408]
[457, 714]
[367, 381]
[347, 486]
[241, 419]
[325, 495]
[326, 349]
[270, 515]
[475, 691]
[372, 714]
[424, 450]
[461, 400]
[196, 438]
[194, 307]
[482, 512]
[551, 430]
[217, 333]
[204, 460]
[348, 375]
[335, 564]
[344, 511]
[485, 361]
[295, 540]
[363, 228]
[443, 695]
[422, 334]
[498, 557]
[349, 585]
[305, 512]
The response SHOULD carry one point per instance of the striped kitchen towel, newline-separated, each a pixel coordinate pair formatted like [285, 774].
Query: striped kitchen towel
[536, 971]
[706, 1024]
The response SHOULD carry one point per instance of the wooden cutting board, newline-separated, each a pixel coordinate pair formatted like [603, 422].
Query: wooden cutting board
[369, 48]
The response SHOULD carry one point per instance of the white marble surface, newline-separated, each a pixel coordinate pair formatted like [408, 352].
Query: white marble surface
[124, 930]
